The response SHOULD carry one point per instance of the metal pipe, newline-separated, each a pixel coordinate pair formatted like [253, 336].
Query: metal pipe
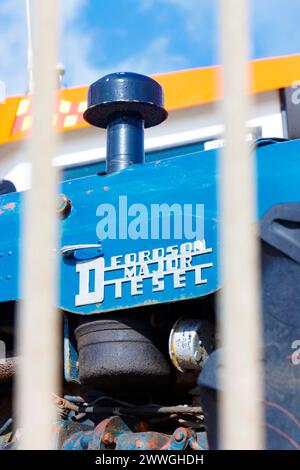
[149, 410]
[38, 320]
[125, 103]
[125, 141]
[241, 412]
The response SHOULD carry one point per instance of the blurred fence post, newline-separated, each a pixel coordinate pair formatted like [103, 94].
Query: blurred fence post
[37, 329]
[241, 416]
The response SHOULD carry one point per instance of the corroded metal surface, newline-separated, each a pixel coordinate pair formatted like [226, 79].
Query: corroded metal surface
[113, 433]
[8, 369]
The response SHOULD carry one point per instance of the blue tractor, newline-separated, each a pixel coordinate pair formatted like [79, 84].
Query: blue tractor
[139, 265]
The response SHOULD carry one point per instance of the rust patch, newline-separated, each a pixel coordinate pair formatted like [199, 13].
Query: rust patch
[108, 438]
[8, 369]
[138, 443]
[143, 426]
[10, 206]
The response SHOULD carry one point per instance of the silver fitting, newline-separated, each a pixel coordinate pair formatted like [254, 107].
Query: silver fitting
[190, 343]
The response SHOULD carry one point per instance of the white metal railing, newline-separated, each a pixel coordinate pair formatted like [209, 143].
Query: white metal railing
[241, 416]
[38, 334]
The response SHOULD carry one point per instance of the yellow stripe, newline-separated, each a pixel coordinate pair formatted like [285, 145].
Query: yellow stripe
[182, 89]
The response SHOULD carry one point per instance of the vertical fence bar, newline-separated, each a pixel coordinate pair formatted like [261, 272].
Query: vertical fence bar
[37, 332]
[29, 48]
[241, 416]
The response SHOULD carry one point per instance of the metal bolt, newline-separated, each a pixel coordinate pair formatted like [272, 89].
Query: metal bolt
[64, 205]
[179, 435]
[197, 356]
[108, 438]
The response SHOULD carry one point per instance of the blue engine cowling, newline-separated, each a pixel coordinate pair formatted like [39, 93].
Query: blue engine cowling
[98, 275]
[153, 183]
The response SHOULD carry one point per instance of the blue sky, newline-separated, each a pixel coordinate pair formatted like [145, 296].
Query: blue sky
[147, 36]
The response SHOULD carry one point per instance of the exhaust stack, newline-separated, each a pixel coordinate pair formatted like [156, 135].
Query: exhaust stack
[125, 103]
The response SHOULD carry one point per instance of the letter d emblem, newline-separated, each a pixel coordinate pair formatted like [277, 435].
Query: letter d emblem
[85, 296]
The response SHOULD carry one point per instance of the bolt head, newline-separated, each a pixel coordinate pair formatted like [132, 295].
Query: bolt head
[108, 438]
[64, 205]
[197, 356]
[179, 435]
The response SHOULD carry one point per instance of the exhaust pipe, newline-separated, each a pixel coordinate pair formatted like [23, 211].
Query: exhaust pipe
[125, 103]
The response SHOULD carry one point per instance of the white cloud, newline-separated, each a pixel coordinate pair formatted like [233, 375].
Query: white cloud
[75, 40]
[13, 45]
[275, 27]
[78, 43]
[198, 16]
[70, 8]
[155, 58]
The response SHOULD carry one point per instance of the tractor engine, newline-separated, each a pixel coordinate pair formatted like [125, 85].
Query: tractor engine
[138, 261]
[141, 362]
